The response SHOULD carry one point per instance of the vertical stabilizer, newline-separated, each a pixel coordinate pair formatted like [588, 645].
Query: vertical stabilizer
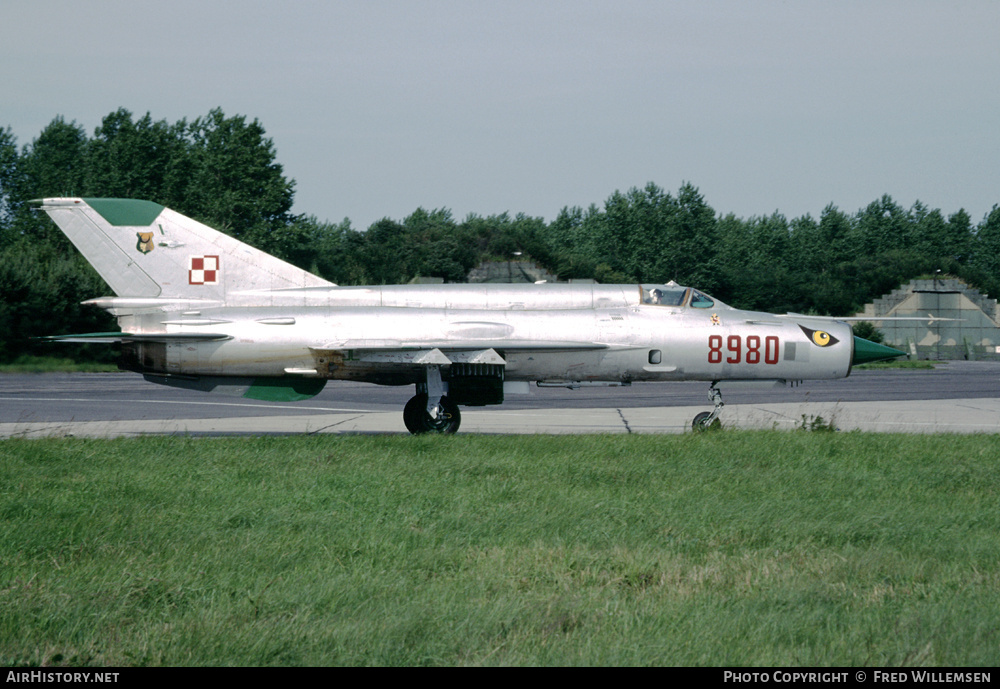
[143, 249]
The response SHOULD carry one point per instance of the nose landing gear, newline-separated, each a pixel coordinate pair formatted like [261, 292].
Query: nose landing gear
[709, 420]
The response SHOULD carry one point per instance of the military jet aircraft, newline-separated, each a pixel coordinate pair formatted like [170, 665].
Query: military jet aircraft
[199, 309]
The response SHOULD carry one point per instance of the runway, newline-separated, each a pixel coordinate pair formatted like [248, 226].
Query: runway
[955, 397]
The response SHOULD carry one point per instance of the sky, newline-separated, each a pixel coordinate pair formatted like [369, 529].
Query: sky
[378, 107]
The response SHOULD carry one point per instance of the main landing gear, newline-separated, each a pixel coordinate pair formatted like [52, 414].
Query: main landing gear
[445, 419]
[709, 420]
[431, 412]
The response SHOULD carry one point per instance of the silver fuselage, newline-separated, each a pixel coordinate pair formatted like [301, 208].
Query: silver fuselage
[547, 332]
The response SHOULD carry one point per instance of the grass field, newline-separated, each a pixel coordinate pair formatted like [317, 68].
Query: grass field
[45, 364]
[733, 548]
[915, 364]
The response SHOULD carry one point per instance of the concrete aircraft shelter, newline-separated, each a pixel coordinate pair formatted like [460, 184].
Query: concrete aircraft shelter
[974, 334]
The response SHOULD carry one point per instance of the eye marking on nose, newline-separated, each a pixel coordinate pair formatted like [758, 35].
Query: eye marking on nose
[820, 338]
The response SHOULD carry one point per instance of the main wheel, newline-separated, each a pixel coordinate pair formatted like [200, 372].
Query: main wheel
[414, 413]
[417, 420]
[700, 419]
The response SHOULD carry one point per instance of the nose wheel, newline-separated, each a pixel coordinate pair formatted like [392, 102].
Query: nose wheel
[709, 420]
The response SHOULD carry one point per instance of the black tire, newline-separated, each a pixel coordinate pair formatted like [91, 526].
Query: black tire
[417, 420]
[699, 422]
[414, 413]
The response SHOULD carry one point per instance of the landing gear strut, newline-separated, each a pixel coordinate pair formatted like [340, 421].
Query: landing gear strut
[432, 412]
[710, 419]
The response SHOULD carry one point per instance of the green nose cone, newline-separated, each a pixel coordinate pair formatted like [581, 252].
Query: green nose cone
[866, 351]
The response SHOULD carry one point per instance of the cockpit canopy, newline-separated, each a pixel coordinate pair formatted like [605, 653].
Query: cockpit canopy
[673, 294]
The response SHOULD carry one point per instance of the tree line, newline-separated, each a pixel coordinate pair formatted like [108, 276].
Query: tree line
[223, 171]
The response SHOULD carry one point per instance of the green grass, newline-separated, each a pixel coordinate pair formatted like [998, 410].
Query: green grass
[900, 363]
[734, 548]
[46, 364]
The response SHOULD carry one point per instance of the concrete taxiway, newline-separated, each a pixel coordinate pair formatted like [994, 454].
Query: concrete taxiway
[957, 397]
[941, 416]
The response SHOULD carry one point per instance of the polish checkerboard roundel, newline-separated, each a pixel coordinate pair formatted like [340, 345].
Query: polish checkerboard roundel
[203, 270]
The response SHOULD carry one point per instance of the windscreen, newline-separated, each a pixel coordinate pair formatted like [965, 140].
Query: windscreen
[701, 301]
